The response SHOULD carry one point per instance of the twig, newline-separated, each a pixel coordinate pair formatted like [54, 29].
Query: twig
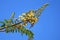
[1, 29]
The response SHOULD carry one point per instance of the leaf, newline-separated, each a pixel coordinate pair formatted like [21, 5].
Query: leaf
[19, 29]
[27, 32]
[12, 29]
[1, 27]
[22, 30]
[7, 30]
[16, 30]
[12, 16]
[9, 21]
[38, 12]
[3, 24]
[5, 21]
[30, 34]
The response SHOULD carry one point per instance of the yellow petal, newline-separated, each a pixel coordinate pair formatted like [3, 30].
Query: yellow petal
[20, 16]
[32, 22]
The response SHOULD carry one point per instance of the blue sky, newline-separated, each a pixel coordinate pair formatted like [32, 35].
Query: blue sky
[47, 27]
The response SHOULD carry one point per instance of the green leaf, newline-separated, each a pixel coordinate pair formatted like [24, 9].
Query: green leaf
[16, 30]
[9, 21]
[12, 29]
[19, 30]
[12, 16]
[27, 32]
[22, 30]
[6, 21]
[1, 27]
[38, 12]
[3, 24]
[7, 30]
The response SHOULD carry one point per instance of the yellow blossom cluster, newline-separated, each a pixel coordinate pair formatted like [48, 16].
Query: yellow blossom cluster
[28, 17]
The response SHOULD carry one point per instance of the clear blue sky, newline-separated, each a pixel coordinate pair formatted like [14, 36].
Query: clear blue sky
[47, 28]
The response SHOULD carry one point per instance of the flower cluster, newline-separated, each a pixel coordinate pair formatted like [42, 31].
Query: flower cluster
[28, 17]
[18, 25]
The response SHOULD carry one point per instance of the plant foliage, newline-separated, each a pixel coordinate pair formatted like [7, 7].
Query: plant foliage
[18, 24]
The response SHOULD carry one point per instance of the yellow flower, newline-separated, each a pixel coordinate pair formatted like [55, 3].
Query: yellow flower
[27, 18]
[28, 15]
[24, 24]
[23, 14]
[32, 22]
[20, 25]
[6, 26]
[24, 20]
[36, 19]
[20, 16]
[33, 19]
[31, 13]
